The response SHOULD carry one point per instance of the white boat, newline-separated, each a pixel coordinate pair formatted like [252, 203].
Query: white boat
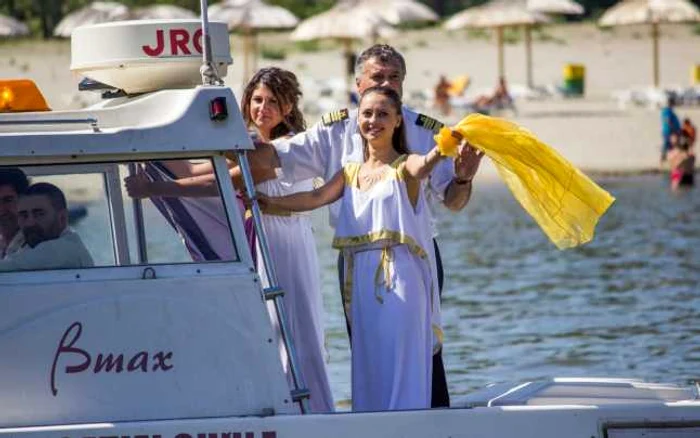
[179, 344]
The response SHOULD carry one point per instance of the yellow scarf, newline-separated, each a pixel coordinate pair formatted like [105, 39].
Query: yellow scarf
[563, 201]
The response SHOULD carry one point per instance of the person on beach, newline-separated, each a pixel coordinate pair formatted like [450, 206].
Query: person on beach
[383, 230]
[500, 99]
[681, 162]
[322, 150]
[270, 106]
[669, 125]
[442, 96]
[688, 134]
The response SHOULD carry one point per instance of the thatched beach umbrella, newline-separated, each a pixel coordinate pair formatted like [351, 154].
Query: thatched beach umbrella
[161, 12]
[569, 7]
[10, 27]
[653, 12]
[498, 15]
[347, 21]
[94, 13]
[397, 12]
[249, 16]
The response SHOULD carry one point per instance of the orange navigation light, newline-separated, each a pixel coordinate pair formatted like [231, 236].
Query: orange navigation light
[21, 95]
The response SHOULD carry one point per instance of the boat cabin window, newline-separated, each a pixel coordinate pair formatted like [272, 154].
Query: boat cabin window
[82, 216]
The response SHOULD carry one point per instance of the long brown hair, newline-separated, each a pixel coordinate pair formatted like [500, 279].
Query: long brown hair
[398, 139]
[285, 87]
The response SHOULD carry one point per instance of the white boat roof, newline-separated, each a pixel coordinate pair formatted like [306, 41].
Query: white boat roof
[158, 122]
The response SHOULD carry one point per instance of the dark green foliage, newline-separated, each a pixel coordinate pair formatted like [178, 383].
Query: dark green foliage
[273, 53]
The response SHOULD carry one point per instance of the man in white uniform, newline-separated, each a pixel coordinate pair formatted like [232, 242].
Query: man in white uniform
[323, 149]
[12, 182]
[42, 214]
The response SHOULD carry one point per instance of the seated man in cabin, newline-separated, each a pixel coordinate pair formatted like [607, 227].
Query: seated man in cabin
[13, 182]
[42, 214]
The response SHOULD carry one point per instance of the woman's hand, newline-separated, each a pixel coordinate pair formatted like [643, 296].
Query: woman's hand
[467, 162]
[138, 186]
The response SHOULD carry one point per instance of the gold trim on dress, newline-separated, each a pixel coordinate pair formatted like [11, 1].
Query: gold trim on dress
[395, 237]
[350, 171]
[439, 336]
[270, 211]
[384, 267]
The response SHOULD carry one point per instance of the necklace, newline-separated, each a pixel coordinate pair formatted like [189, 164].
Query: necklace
[371, 177]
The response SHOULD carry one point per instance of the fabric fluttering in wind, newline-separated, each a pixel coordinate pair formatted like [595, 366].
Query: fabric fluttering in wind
[564, 202]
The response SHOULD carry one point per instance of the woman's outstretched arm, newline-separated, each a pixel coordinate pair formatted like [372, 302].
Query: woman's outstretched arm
[420, 166]
[311, 200]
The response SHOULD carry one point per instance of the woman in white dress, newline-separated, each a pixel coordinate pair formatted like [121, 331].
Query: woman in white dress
[270, 104]
[384, 233]
[270, 108]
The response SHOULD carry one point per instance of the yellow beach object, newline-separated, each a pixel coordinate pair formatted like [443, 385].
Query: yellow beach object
[458, 85]
[564, 202]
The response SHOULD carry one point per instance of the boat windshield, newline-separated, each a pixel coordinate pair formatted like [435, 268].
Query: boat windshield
[99, 224]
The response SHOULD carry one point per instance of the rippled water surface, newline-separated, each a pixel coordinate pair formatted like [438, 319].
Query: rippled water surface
[515, 307]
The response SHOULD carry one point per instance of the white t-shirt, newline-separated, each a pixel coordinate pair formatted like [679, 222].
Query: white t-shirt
[11, 247]
[66, 251]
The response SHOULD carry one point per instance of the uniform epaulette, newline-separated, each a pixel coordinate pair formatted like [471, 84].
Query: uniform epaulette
[335, 116]
[429, 123]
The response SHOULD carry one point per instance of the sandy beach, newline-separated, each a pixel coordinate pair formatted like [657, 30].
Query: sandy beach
[594, 132]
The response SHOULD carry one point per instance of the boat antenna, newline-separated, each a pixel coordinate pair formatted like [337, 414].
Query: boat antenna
[210, 75]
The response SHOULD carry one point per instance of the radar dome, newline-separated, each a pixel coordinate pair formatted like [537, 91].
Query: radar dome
[147, 55]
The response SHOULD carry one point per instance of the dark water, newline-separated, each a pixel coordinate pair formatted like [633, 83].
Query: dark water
[516, 308]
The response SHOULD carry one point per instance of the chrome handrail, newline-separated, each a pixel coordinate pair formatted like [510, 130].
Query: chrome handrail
[89, 120]
[300, 392]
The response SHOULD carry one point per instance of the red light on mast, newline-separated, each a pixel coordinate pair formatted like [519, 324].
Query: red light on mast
[217, 109]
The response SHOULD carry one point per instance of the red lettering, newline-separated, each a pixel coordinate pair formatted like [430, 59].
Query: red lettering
[178, 40]
[197, 40]
[139, 361]
[183, 435]
[160, 45]
[269, 434]
[109, 363]
[68, 348]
